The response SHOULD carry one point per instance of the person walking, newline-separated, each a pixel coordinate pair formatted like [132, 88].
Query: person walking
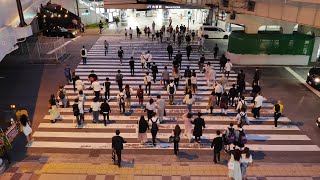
[257, 105]
[227, 68]
[76, 111]
[194, 82]
[198, 125]
[241, 138]
[256, 76]
[193, 35]
[94, 108]
[82, 99]
[232, 94]
[189, 100]
[125, 33]
[92, 77]
[171, 90]
[148, 32]
[154, 70]
[178, 58]
[142, 130]
[211, 102]
[246, 161]
[188, 49]
[105, 110]
[154, 122]
[187, 72]
[128, 92]
[67, 74]
[222, 62]
[148, 58]
[187, 119]
[106, 86]
[62, 95]
[150, 108]
[241, 104]
[217, 146]
[176, 138]
[119, 79]
[224, 103]
[229, 137]
[26, 128]
[161, 105]
[188, 38]
[74, 79]
[131, 64]
[147, 82]
[138, 32]
[143, 60]
[234, 165]
[96, 89]
[218, 90]
[170, 51]
[176, 77]
[201, 63]
[121, 98]
[84, 54]
[216, 50]
[130, 33]
[106, 47]
[120, 55]
[277, 109]
[100, 26]
[139, 95]
[79, 84]
[117, 145]
[165, 77]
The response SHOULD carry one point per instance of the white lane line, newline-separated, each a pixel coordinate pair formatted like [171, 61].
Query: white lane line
[297, 76]
[93, 135]
[82, 145]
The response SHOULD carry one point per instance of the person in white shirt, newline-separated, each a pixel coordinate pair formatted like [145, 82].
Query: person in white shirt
[148, 58]
[218, 89]
[228, 67]
[125, 33]
[121, 98]
[84, 55]
[130, 32]
[246, 161]
[150, 108]
[147, 82]
[96, 88]
[189, 100]
[79, 84]
[257, 105]
[161, 105]
[171, 90]
[95, 106]
[143, 60]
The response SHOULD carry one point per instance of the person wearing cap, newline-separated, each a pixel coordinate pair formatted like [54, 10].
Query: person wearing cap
[277, 109]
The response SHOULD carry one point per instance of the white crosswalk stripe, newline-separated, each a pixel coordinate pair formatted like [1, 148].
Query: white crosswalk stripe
[65, 134]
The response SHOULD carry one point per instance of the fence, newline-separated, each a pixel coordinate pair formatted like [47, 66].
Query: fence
[283, 44]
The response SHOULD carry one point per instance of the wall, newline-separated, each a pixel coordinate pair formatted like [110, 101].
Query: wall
[261, 59]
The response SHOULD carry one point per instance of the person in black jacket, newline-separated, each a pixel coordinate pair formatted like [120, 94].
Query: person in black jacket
[187, 72]
[217, 144]
[117, 145]
[107, 85]
[232, 94]
[142, 130]
[131, 64]
[155, 71]
[176, 138]
[76, 111]
[170, 51]
[179, 58]
[198, 125]
[188, 49]
[105, 110]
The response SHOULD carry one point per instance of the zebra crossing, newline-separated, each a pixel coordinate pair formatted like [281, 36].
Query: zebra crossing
[63, 136]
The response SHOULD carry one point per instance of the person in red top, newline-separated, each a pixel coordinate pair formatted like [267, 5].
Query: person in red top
[140, 96]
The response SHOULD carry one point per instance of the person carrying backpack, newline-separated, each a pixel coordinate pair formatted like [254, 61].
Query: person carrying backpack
[105, 110]
[120, 55]
[139, 95]
[242, 118]
[171, 90]
[84, 55]
[154, 122]
[62, 95]
[241, 139]
[68, 74]
[229, 137]
[277, 108]
[121, 97]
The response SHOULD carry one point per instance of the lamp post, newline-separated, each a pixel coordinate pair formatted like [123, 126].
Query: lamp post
[19, 6]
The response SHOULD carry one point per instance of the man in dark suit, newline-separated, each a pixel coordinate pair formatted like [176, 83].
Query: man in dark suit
[217, 144]
[117, 145]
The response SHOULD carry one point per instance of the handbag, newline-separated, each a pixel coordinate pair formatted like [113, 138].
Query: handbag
[171, 138]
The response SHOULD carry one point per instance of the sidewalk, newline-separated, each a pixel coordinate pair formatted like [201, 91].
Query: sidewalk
[87, 167]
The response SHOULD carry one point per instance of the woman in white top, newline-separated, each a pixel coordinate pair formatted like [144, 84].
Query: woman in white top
[246, 160]
[228, 67]
[234, 165]
[95, 106]
[26, 128]
[194, 82]
[240, 104]
[143, 60]
[79, 85]
[212, 78]
[150, 108]
[189, 99]
[187, 118]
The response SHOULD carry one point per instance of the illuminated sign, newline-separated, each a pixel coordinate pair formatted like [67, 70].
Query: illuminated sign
[162, 7]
